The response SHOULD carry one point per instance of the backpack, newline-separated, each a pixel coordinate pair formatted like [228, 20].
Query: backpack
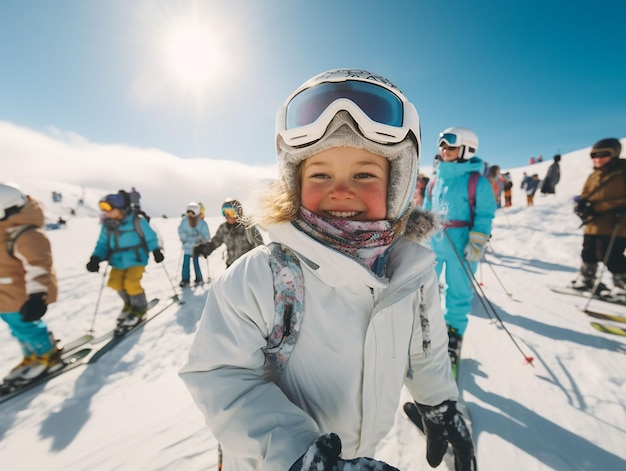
[471, 193]
[15, 234]
[115, 232]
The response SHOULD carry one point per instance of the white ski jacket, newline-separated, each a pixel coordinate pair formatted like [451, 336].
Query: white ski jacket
[361, 339]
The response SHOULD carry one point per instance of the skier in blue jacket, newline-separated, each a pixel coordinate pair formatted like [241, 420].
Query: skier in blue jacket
[192, 230]
[467, 226]
[125, 240]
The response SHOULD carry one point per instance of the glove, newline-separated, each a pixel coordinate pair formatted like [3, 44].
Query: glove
[158, 255]
[323, 455]
[476, 246]
[200, 250]
[444, 424]
[584, 209]
[93, 264]
[34, 308]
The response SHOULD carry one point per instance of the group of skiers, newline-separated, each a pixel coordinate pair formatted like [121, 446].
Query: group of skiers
[125, 241]
[319, 330]
[237, 236]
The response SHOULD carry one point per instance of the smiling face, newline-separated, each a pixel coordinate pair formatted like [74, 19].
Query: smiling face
[346, 183]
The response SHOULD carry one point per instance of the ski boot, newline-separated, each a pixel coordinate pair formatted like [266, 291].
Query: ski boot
[183, 283]
[198, 282]
[124, 313]
[134, 317]
[586, 279]
[32, 366]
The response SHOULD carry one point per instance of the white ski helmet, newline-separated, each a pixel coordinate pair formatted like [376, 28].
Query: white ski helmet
[194, 208]
[351, 108]
[11, 199]
[460, 137]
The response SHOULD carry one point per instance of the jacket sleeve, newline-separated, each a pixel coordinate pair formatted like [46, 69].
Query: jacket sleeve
[226, 374]
[150, 236]
[102, 245]
[182, 230]
[431, 381]
[205, 233]
[33, 249]
[485, 208]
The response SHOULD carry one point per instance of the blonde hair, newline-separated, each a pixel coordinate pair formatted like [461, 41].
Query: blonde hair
[278, 204]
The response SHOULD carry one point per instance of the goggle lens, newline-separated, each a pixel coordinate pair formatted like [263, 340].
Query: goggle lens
[378, 103]
[602, 153]
[112, 201]
[105, 206]
[448, 138]
[229, 212]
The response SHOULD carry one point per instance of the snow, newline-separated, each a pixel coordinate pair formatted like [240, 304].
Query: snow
[130, 411]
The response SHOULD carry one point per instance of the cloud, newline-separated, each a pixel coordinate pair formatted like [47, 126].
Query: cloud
[167, 182]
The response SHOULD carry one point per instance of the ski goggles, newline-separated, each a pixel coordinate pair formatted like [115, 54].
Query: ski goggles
[382, 116]
[602, 153]
[229, 211]
[110, 202]
[449, 139]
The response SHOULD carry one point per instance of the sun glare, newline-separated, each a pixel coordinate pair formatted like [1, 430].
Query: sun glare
[194, 56]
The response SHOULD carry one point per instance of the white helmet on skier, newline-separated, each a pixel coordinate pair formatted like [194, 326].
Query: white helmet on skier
[194, 208]
[460, 137]
[351, 108]
[11, 199]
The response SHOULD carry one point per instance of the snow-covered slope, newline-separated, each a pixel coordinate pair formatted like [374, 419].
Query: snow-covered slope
[130, 411]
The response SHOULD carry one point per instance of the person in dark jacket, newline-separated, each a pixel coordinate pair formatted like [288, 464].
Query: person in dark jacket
[238, 238]
[553, 176]
[602, 208]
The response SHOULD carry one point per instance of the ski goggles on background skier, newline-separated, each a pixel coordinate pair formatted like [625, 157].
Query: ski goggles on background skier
[449, 139]
[382, 116]
[110, 202]
[602, 153]
[229, 212]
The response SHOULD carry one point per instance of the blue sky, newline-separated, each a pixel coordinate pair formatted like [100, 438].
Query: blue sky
[529, 77]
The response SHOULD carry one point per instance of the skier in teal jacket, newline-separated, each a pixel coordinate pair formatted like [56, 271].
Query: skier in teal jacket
[467, 226]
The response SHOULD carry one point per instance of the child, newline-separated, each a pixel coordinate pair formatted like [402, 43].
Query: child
[192, 231]
[602, 208]
[531, 184]
[125, 240]
[29, 282]
[372, 320]
[238, 238]
[467, 227]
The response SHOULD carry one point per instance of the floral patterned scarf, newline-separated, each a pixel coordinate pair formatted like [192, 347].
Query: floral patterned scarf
[363, 241]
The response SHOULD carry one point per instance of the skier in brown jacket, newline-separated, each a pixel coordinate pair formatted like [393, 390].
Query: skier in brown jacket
[602, 208]
[27, 282]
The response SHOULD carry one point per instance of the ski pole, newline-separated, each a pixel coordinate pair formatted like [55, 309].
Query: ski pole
[481, 296]
[604, 262]
[175, 297]
[219, 457]
[508, 293]
[95, 312]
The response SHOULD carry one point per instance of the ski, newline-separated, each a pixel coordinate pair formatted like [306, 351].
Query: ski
[68, 362]
[153, 302]
[604, 316]
[583, 294]
[117, 338]
[609, 329]
[76, 343]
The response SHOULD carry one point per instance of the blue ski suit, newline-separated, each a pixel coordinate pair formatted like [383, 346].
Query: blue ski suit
[449, 197]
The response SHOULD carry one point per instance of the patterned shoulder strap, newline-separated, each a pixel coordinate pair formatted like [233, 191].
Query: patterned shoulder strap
[288, 305]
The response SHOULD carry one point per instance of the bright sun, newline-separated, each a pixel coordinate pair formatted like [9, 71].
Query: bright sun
[193, 56]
